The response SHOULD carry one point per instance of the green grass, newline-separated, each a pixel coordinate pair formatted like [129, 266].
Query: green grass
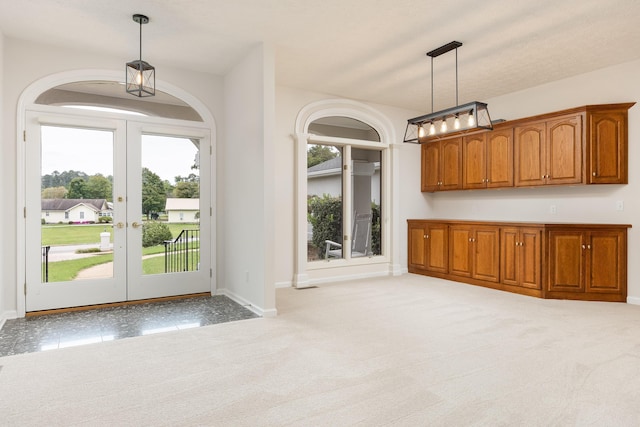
[63, 271]
[58, 235]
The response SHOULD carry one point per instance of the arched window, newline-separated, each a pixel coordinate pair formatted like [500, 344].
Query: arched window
[343, 201]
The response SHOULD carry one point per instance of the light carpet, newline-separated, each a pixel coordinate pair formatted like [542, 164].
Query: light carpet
[407, 350]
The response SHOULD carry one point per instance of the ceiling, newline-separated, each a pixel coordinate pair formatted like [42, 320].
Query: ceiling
[371, 50]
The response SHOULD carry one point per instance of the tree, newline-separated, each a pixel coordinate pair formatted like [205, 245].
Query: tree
[317, 154]
[192, 177]
[99, 187]
[154, 197]
[186, 190]
[77, 189]
[54, 193]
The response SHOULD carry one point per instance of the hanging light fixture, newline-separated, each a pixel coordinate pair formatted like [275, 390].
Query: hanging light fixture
[466, 117]
[140, 75]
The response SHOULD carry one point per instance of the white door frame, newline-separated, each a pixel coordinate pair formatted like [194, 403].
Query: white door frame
[27, 101]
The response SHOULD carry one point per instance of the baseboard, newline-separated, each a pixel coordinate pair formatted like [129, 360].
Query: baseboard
[7, 315]
[248, 304]
[346, 277]
[397, 270]
[284, 284]
[633, 300]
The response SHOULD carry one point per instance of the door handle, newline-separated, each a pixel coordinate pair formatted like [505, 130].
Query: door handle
[135, 225]
[120, 225]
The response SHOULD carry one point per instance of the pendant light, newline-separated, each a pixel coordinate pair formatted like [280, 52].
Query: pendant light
[140, 75]
[461, 118]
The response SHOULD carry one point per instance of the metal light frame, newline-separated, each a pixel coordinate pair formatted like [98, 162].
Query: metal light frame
[471, 116]
[140, 75]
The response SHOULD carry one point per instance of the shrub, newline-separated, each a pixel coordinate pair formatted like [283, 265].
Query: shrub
[325, 215]
[104, 219]
[43, 221]
[154, 233]
[376, 235]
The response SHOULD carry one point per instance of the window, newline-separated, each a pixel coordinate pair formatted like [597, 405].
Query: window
[81, 215]
[46, 213]
[343, 191]
[66, 215]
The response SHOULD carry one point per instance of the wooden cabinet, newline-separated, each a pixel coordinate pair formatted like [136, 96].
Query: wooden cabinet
[589, 263]
[442, 165]
[474, 252]
[428, 247]
[520, 255]
[608, 154]
[549, 152]
[487, 159]
[562, 261]
[584, 145]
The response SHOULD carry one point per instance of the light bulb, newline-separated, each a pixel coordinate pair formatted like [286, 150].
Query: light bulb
[432, 129]
[138, 78]
[456, 123]
[421, 131]
[443, 126]
[472, 121]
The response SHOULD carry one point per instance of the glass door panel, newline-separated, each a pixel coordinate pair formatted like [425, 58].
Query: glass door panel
[169, 250]
[170, 204]
[74, 254]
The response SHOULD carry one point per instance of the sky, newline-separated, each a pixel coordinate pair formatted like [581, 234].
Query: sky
[91, 151]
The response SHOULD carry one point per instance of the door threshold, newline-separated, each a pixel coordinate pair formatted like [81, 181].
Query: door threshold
[114, 304]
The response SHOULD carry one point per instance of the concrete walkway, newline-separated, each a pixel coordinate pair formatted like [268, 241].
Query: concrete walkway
[103, 271]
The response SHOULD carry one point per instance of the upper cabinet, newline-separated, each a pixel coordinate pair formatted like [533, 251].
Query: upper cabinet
[442, 165]
[586, 145]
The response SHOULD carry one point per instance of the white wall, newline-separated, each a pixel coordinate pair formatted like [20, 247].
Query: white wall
[4, 177]
[576, 203]
[24, 63]
[246, 164]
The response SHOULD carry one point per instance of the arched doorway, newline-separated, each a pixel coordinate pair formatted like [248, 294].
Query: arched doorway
[117, 193]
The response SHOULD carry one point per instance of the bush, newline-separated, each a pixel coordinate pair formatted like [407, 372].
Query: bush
[43, 221]
[154, 233]
[325, 215]
[104, 219]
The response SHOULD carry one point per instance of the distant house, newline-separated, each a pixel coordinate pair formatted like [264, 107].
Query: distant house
[182, 210]
[75, 211]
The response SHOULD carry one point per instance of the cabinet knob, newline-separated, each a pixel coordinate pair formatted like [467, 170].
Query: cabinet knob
[584, 247]
[588, 246]
[426, 236]
[594, 174]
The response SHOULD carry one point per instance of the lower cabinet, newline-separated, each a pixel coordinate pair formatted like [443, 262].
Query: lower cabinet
[561, 261]
[590, 263]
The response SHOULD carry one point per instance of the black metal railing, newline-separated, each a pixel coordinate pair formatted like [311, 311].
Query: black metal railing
[45, 263]
[182, 253]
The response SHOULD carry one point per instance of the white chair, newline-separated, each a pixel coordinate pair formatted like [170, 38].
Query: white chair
[360, 239]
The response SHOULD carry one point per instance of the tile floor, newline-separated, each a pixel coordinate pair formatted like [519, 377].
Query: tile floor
[52, 331]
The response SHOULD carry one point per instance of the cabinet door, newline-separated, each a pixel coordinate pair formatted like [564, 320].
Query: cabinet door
[566, 261]
[608, 148]
[417, 246]
[529, 155]
[500, 158]
[451, 164]
[430, 166]
[437, 244]
[564, 150]
[474, 161]
[529, 259]
[606, 262]
[486, 253]
[509, 245]
[460, 250]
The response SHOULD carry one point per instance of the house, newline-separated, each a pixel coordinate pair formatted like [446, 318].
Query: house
[248, 81]
[76, 211]
[182, 210]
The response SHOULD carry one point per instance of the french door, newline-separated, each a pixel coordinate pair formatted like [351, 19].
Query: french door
[116, 209]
